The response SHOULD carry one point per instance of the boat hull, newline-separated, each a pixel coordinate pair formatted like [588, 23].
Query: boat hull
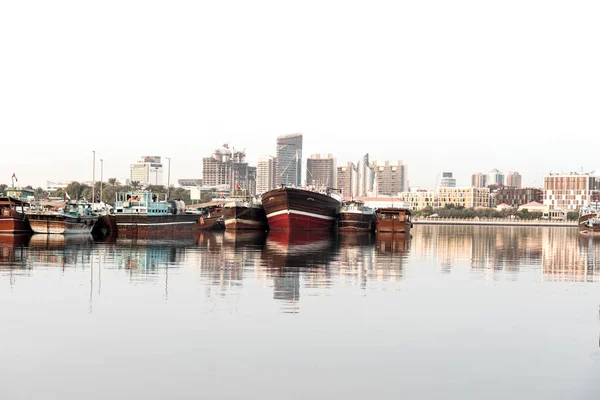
[393, 226]
[242, 217]
[290, 209]
[59, 224]
[356, 222]
[14, 225]
[587, 227]
[139, 224]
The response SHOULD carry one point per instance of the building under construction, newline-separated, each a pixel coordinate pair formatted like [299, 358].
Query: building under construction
[228, 167]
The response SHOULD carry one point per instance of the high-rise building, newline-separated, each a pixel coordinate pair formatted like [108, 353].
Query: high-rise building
[147, 171]
[447, 180]
[513, 179]
[321, 170]
[288, 164]
[347, 180]
[228, 167]
[391, 178]
[365, 176]
[571, 191]
[265, 174]
[494, 178]
[478, 180]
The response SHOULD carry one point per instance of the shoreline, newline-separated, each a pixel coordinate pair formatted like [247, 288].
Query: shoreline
[495, 222]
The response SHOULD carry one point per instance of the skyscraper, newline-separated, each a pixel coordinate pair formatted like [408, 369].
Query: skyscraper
[478, 180]
[321, 170]
[347, 180]
[288, 165]
[365, 176]
[265, 174]
[494, 177]
[391, 178]
[228, 167]
[513, 179]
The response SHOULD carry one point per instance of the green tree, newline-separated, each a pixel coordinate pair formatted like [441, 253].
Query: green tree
[40, 193]
[3, 187]
[573, 215]
[135, 185]
[113, 182]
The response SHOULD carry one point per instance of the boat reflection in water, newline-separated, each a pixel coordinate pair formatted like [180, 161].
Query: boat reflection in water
[290, 256]
[13, 250]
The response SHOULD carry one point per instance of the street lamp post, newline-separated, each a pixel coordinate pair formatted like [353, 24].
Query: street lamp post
[168, 177]
[93, 179]
[101, 177]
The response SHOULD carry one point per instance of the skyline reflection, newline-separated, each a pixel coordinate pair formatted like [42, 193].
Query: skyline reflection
[312, 262]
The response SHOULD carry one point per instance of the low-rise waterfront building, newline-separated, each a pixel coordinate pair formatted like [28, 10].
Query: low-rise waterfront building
[419, 199]
[515, 197]
[571, 191]
[464, 197]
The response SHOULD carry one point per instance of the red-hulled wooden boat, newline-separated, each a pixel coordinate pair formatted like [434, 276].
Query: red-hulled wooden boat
[12, 216]
[292, 209]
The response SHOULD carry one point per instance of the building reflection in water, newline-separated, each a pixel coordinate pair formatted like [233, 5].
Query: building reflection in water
[312, 261]
[485, 249]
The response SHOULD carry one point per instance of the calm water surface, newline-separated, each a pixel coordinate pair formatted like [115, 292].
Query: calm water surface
[449, 313]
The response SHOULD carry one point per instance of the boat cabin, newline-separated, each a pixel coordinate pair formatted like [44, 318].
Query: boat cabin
[146, 203]
[393, 220]
[10, 206]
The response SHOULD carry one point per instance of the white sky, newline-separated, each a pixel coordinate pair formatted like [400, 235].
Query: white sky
[462, 86]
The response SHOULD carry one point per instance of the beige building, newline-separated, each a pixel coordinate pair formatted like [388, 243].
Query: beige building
[419, 199]
[478, 180]
[571, 191]
[513, 179]
[265, 174]
[391, 178]
[147, 171]
[347, 180]
[464, 197]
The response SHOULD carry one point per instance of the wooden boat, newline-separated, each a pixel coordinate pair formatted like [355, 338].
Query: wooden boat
[142, 212]
[589, 221]
[355, 217]
[292, 209]
[243, 212]
[210, 218]
[12, 215]
[396, 220]
[76, 218]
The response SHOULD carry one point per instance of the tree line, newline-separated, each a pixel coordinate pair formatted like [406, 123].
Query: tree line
[459, 212]
[83, 191]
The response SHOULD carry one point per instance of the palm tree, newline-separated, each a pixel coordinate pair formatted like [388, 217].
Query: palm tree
[135, 185]
[113, 182]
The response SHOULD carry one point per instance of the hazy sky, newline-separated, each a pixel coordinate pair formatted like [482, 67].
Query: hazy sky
[463, 86]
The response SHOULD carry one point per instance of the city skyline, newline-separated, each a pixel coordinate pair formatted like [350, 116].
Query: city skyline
[442, 91]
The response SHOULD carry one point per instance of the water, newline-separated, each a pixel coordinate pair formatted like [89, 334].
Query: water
[449, 313]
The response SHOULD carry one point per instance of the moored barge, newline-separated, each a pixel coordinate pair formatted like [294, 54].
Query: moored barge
[395, 220]
[74, 219]
[356, 217]
[142, 213]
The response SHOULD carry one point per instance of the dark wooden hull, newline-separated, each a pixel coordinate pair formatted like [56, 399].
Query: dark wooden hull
[243, 217]
[290, 209]
[584, 225]
[107, 224]
[356, 222]
[205, 223]
[10, 224]
[140, 224]
[61, 224]
[393, 226]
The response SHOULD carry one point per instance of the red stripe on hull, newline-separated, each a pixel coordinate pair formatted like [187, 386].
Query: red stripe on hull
[297, 222]
[12, 225]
